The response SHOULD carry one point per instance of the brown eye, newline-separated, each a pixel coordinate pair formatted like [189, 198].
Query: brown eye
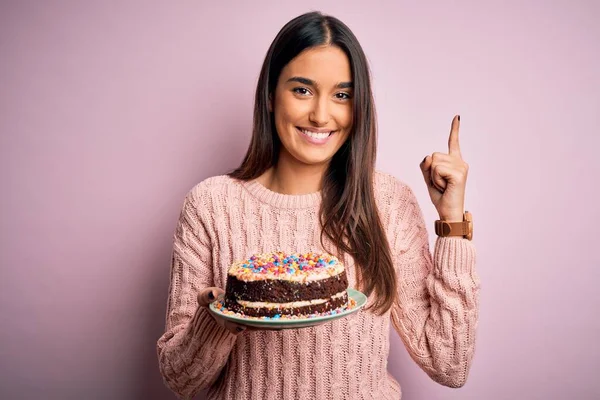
[301, 91]
[343, 96]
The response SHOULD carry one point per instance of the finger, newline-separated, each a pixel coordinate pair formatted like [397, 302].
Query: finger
[437, 177]
[426, 170]
[208, 295]
[229, 325]
[427, 167]
[233, 327]
[453, 145]
[440, 158]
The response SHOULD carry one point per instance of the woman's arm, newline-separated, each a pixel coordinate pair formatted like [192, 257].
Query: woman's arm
[194, 348]
[436, 310]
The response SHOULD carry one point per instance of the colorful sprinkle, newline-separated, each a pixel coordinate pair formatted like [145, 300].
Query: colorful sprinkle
[260, 266]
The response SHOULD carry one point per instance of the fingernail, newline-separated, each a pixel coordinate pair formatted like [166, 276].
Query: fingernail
[424, 160]
[239, 329]
[459, 118]
[211, 296]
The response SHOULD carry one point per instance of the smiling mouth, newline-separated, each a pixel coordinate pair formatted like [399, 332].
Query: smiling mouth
[315, 135]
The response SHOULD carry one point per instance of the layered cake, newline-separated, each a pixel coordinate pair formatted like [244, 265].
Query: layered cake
[278, 284]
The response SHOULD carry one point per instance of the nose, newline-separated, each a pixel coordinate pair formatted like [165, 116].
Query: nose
[319, 114]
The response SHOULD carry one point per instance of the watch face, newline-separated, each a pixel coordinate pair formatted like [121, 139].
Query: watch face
[469, 218]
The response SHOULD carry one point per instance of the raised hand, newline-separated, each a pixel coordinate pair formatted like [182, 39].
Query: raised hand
[446, 178]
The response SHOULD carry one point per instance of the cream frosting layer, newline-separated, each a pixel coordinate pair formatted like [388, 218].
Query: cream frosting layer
[292, 304]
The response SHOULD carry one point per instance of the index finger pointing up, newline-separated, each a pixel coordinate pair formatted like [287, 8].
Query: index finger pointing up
[453, 146]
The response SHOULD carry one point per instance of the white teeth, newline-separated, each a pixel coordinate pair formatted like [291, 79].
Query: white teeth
[316, 135]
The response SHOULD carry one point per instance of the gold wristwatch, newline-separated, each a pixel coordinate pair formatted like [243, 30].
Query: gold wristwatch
[464, 228]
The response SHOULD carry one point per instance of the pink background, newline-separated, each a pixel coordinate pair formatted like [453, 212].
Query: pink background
[109, 113]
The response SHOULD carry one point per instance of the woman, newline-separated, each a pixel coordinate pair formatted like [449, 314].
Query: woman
[307, 183]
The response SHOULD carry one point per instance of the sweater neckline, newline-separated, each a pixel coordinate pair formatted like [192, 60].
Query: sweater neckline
[281, 200]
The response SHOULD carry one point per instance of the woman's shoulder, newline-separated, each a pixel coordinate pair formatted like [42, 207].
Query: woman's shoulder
[394, 198]
[386, 185]
[213, 188]
[213, 184]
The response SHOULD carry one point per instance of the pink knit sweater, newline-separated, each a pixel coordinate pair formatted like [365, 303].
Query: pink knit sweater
[224, 220]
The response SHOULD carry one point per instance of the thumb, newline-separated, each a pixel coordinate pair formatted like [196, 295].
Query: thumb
[208, 295]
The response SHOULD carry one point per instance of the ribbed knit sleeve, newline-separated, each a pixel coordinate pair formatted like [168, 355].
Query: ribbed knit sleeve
[194, 348]
[436, 310]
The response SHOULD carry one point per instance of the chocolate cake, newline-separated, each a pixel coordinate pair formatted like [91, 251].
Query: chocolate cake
[277, 284]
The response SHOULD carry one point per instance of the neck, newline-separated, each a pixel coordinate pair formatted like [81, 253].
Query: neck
[290, 176]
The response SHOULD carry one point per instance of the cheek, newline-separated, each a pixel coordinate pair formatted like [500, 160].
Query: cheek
[345, 118]
[289, 110]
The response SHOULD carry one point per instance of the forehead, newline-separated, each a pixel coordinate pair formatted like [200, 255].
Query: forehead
[324, 65]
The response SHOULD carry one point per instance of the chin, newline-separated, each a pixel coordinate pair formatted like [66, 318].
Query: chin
[315, 160]
[308, 158]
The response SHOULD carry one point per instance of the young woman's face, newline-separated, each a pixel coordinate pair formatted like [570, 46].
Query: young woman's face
[313, 105]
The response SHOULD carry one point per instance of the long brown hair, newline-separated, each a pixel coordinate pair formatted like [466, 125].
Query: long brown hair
[348, 212]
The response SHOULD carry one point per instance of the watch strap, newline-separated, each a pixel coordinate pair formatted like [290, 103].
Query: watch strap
[464, 228]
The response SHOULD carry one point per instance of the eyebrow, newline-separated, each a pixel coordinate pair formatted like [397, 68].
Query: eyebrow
[310, 82]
